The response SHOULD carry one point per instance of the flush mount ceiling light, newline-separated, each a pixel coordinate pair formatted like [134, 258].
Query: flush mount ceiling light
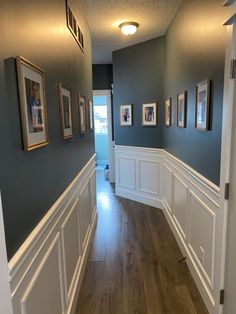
[129, 28]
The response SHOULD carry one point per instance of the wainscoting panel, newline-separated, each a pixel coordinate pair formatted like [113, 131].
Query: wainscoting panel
[180, 205]
[71, 247]
[46, 272]
[127, 174]
[138, 174]
[167, 186]
[84, 215]
[92, 185]
[148, 174]
[44, 293]
[190, 203]
[202, 218]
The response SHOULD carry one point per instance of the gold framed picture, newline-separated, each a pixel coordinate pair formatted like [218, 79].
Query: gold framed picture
[32, 104]
[65, 111]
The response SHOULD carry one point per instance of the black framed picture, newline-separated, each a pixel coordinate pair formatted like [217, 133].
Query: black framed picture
[126, 115]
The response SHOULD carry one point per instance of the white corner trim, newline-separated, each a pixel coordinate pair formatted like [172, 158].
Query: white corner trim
[6, 302]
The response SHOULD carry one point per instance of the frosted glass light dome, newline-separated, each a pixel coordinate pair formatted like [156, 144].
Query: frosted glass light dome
[129, 28]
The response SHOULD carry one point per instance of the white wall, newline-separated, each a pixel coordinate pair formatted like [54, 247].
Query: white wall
[190, 203]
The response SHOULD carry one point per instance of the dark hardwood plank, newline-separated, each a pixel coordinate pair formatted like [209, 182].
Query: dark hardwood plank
[133, 263]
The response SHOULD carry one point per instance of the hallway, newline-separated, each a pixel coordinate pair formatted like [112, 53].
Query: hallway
[133, 262]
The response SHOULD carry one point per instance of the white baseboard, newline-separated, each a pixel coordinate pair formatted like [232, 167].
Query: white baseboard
[53, 257]
[190, 203]
[140, 198]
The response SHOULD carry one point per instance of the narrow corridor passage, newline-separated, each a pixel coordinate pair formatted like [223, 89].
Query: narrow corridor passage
[133, 263]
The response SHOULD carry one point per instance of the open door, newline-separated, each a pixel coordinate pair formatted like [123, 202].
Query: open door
[225, 269]
[104, 144]
[5, 299]
[228, 170]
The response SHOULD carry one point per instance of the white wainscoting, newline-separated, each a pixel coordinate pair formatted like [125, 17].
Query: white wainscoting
[189, 201]
[137, 174]
[46, 272]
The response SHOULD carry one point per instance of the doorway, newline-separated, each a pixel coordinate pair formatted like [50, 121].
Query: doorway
[104, 145]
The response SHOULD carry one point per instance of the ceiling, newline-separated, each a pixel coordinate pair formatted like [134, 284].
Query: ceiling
[104, 16]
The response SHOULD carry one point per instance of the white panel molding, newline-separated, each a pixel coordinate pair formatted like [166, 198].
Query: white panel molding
[68, 285]
[25, 268]
[184, 200]
[125, 164]
[144, 180]
[29, 292]
[193, 190]
[208, 211]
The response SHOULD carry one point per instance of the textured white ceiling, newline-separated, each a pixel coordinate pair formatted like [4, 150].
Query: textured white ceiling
[104, 16]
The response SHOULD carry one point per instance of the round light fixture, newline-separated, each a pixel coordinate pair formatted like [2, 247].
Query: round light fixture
[129, 28]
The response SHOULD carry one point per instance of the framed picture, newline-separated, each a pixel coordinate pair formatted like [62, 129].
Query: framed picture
[82, 113]
[168, 112]
[182, 110]
[126, 115]
[202, 105]
[73, 26]
[149, 114]
[90, 114]
[65, 111]
[32, 104]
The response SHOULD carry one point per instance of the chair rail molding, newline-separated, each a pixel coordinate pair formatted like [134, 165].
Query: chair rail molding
[53, 257]
[189, 201]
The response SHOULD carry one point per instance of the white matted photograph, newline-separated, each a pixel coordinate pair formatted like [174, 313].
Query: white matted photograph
[82, 113]
[126, 115]
[182, 110]
[202, 105]
[90, 114]
[168, 112]
[149, 114]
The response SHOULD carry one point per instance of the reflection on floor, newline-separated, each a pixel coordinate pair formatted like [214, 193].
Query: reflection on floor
[133, 263]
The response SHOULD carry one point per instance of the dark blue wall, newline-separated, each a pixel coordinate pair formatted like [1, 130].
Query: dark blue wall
[191, 51]
[31, 182]
[138, 79]
[195, 51]
[102, 76]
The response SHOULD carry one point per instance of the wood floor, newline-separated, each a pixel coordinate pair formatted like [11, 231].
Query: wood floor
[133, 263]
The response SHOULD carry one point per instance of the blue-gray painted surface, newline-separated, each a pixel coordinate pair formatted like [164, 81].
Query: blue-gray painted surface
[191, 51]
[31, 182]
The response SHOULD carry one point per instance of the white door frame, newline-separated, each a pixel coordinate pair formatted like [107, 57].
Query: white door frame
[5, 292]
[111, 159]
[227, 120]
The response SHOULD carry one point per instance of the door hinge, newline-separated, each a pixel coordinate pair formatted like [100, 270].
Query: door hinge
[227, 186]
[233, 69]
[222, 296]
